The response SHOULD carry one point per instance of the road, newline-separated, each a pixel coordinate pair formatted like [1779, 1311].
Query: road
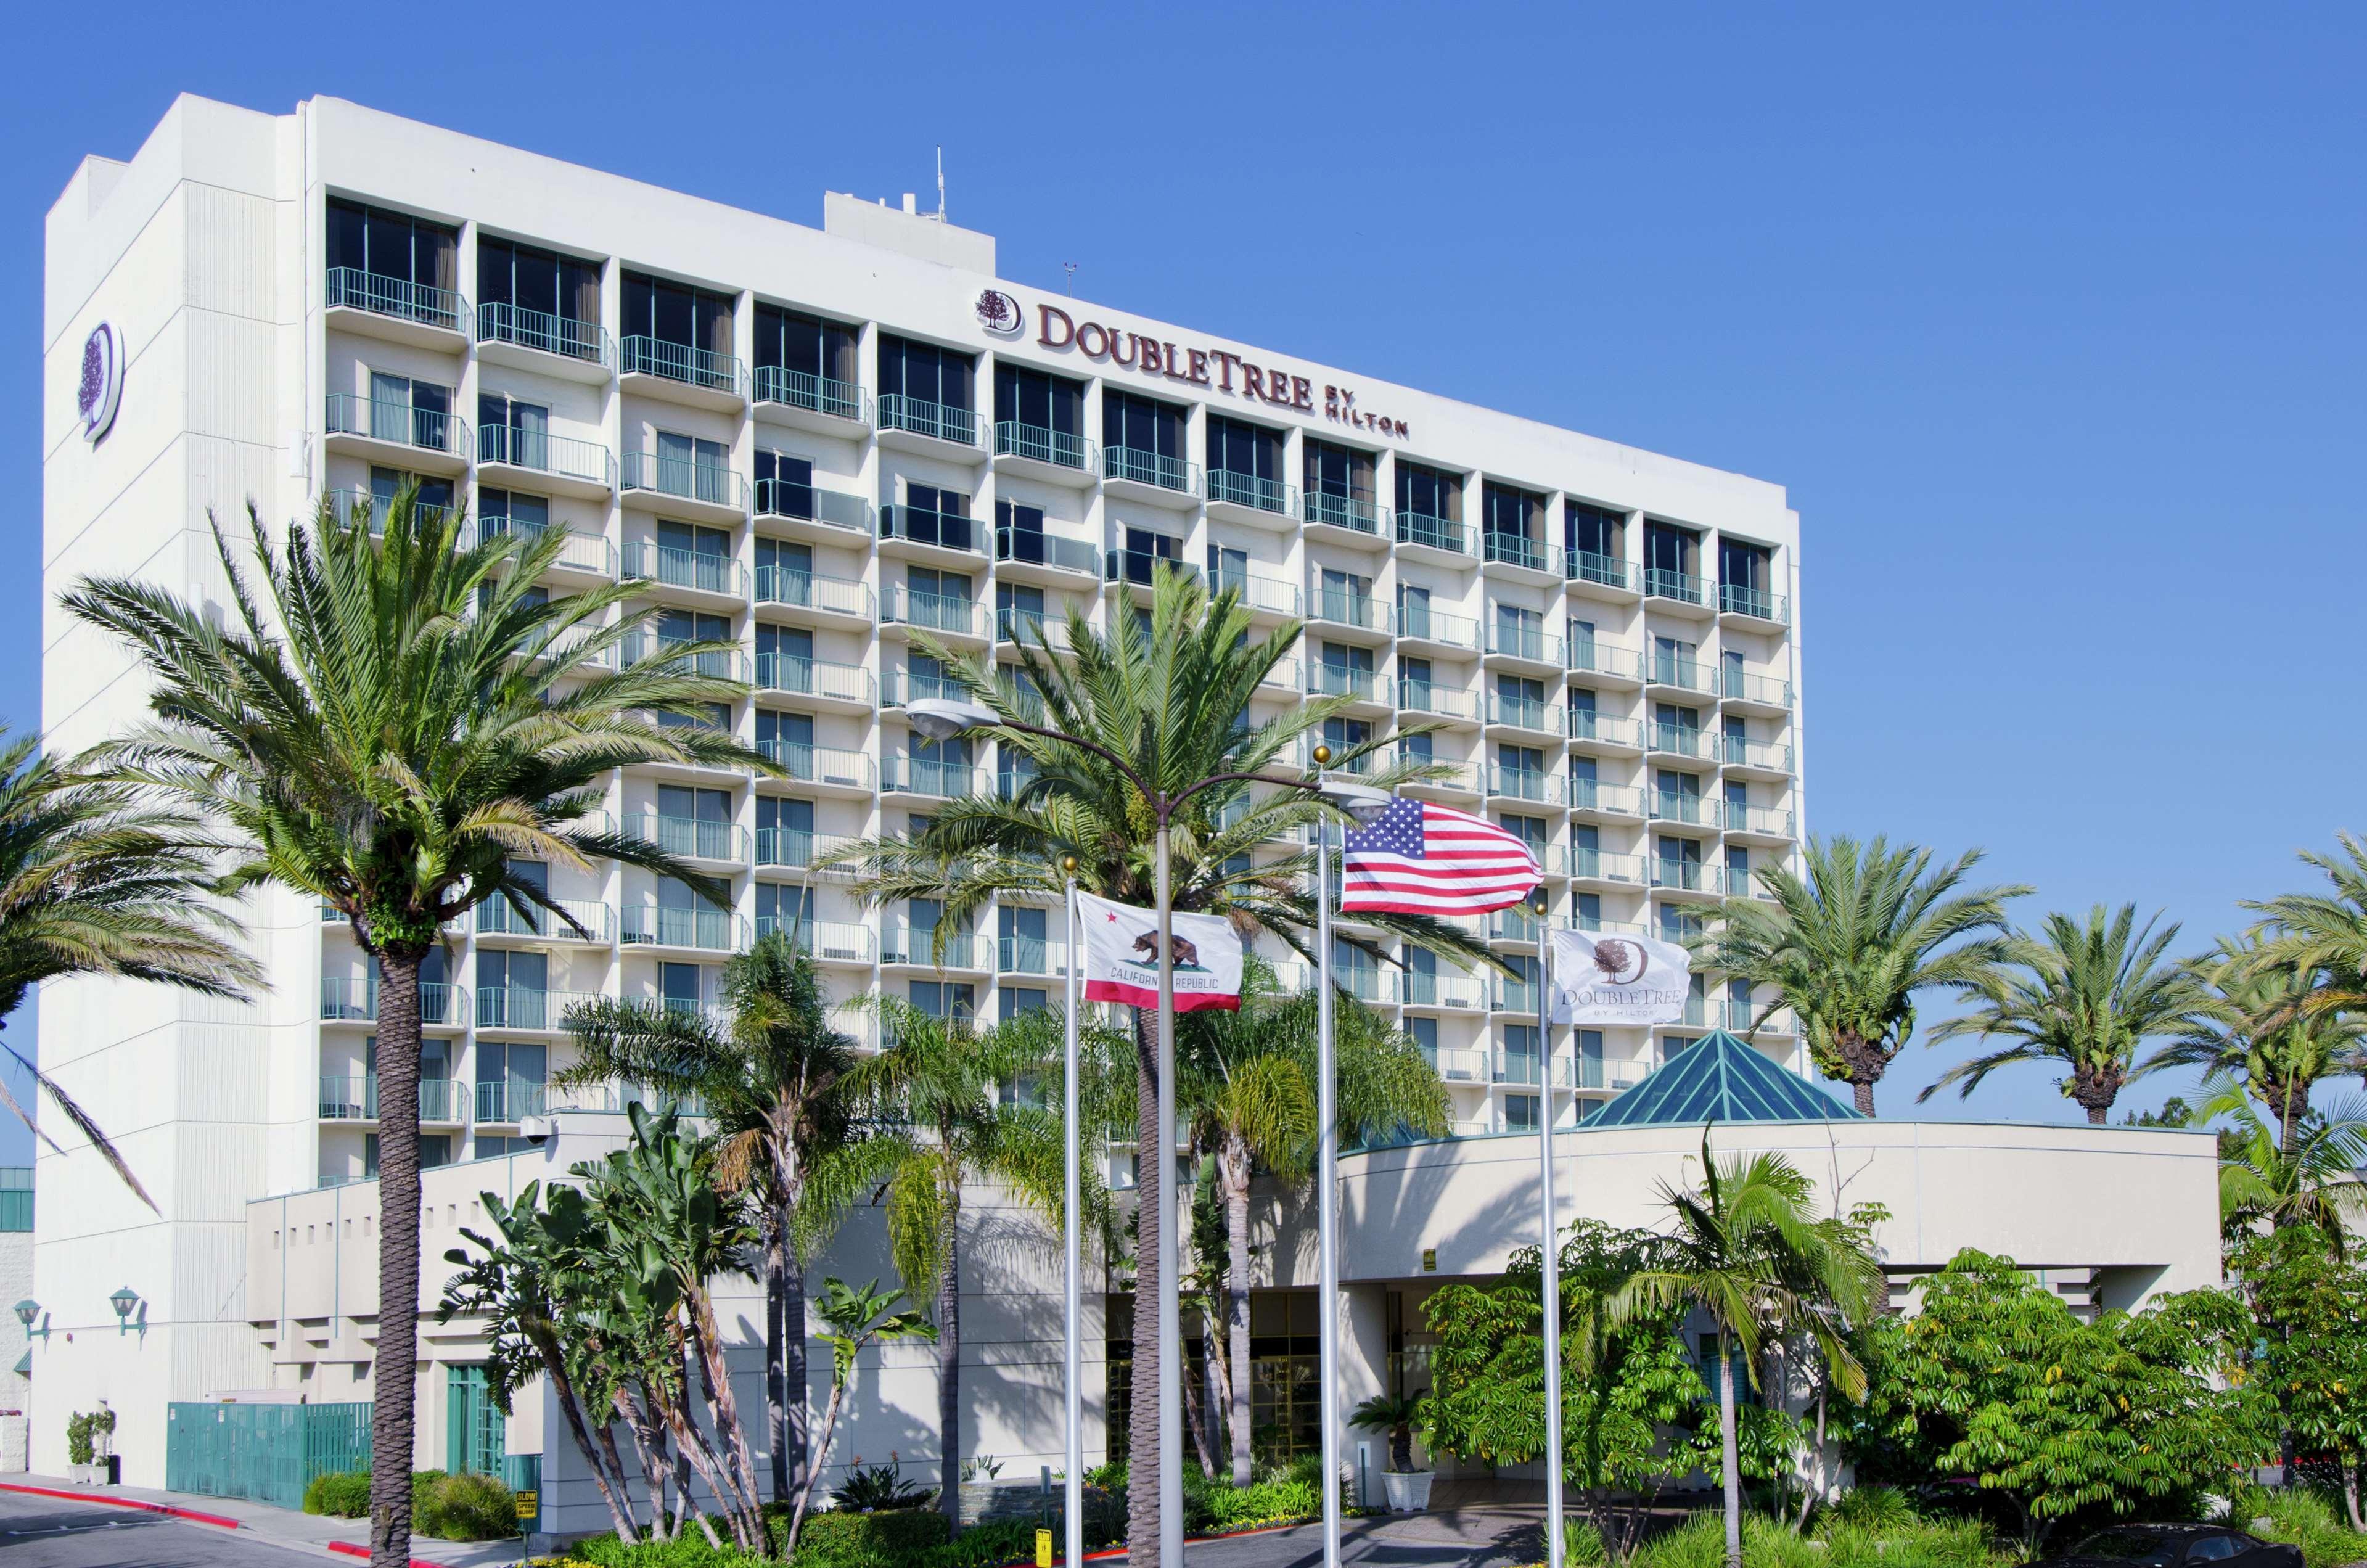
[1467, 1538]
[50, 1532]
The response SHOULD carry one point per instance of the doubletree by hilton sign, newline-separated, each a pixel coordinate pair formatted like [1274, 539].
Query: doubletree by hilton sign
[1217, 368]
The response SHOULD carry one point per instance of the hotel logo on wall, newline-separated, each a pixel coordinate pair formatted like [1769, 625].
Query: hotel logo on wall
[101, 388]
[1217, 368]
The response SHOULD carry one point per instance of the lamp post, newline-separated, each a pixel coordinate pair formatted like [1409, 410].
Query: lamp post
[1549, 1255]
[27, 1311]
[123, 1300]
[1072, 1403]
[943, 719]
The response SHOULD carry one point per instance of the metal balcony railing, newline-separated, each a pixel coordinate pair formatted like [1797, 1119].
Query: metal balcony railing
[1269, 594]
[1435, 990]
[1358, 514]
[1435, 533]
[937, 421]
[509, 1102]
[1609, 571]
[1429, 697]
[1686, 674]
[1618, 800]
[1736, 598]
[1768, 759]
[1517, 550]
[826, 678]
[587, 341]
[829, 940]
[1140, 568]
[1742, 687]
[1032, 628]
[347, 503]
[933, 612]
[701, 571]
[1516, 1067]
[710, 484]
[1437, 626]
[348, 1098]
[1512, 995]
[1677, 740]
[1519, 783]
[689, 837]
[1524, 642]
[785, 498]
[919, 524]
[1035, 548]
[1525, 713]
[582, 552]
[1606, 658]
[644, 355]
[1694, 810]
[1586, 724]
[347, 999]
[1660, 583]
[796, 849]
[407, 425]
[903, 942]
[1139, 467]
[1342, 608]
[1031, 955]
[906, 685]
[814, 590]
[565, 457]
[806, 764]
[1340, 680]
[496, 918]
[1223, 487]
[708, 930]
[1772, 821]
[944, 780]
[723, 664]
[1587, 863]
[351, 288]
[525, 1007]
[1039, 444]
[1688, 876]
[817, 395]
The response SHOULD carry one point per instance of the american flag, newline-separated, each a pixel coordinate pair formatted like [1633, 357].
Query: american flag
[1424, 860]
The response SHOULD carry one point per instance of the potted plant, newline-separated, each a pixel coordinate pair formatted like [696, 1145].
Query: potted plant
[1398, 1415]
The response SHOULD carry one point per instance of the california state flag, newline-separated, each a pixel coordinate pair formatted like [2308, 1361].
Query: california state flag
[1122, 956]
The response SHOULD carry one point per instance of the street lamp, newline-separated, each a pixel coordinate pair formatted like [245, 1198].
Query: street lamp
[937, 719]
[123, 1300]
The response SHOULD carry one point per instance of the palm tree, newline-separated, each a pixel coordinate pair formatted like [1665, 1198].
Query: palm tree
[1170, 695]
[2308, 1177]
[2261, 1026]
[1848, 945]
[94, 880]
[1254, 1105]
[1748, 1252]
[965, 1091]
[852, 1317]
[2088, 997]
[2325, 933]
[381, 728]
[765, 1077]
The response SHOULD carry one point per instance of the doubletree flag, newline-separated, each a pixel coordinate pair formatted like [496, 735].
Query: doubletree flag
[1601, 979]
[1122, 956]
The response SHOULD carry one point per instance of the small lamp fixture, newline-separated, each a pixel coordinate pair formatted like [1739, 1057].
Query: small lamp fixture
[942, 718]
[27, 1311]
[123, 1300]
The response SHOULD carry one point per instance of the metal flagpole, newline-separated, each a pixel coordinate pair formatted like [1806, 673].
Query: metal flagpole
[1171, 1317]
[1327, 1178]
[1074, 1536]
[1555, 1546]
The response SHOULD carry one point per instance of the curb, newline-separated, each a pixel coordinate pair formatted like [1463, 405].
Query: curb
[348, 1548]
[192, 1515]
[1204, 1540]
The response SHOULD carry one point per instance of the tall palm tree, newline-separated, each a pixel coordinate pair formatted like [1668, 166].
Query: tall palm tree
[764, 1074]
[1748, 1252]
[2260, 1026]
[966, 1093]
[1848, 946]
[2308, 1176]
[1255, 1106]
[94, 881]
[1169, 693]
[2087, 998]
[384, 725]
[2326, 933]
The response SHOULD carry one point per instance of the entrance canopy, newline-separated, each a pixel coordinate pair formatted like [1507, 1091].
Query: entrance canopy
[1720, 1078]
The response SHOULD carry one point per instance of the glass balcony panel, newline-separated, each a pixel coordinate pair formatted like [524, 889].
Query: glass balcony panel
[947, 530]
[807, 503]
[1043, 550]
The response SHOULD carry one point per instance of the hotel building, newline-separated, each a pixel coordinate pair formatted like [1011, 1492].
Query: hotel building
[818, 444]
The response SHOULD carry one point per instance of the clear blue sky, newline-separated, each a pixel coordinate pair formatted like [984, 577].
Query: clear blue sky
[2050, 320]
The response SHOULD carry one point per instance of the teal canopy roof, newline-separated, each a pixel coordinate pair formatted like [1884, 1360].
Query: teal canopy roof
[1720, 1078]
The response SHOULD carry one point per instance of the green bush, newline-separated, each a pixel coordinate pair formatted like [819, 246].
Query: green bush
[688, 1550]
[1700, 1542]
[844, 1540]
[986, 1545]
[1583, 1543]
[1869, 1508]
[341, 1494]
[463, 1508]
[2308, 1520]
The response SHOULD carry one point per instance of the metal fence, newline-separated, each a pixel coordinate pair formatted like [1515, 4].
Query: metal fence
[265, 1453]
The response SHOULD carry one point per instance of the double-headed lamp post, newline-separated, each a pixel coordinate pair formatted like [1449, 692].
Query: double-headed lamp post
[939, 719]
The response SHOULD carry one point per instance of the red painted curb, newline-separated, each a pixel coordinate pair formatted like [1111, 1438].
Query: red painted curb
[192, 1515]
[350, 1550]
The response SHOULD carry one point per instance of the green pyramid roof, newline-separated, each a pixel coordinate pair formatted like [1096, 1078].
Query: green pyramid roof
[1718, 1078]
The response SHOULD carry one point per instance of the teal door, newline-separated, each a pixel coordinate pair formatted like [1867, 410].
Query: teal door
[474, 1428]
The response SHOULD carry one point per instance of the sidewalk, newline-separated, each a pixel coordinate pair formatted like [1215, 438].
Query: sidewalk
[283, 1527]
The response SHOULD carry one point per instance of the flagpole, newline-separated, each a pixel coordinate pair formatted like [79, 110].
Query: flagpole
[1073, 1540]
[1550, 1255]
[1327, 1209]
[1171, 1315]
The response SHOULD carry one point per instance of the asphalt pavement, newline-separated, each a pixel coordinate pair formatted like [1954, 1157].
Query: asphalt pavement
[50, 1532]
[1465, 1537]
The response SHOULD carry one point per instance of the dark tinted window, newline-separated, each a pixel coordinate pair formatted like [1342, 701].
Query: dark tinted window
[1031, 397]
[677, 313]
[393, 245]
[924, 372]
[1429, 491]
[789, 341]
[1514, 513]
[1741, 565]
[1235, 445]
[1592, 530]
[1141, 425]
[1668, 547]
[534, 279]
[1339, 470]
[2131, 1546]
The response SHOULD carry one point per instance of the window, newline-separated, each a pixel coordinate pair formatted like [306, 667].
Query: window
[1513, 521]
[1587, 907]
[1671, 559]
[692, 467]
[1520, 1113]
[1041, 402]
[1744, 573]
[1592, 535]
[1017, 1001]
[931, 515]
[538, 299]
[386, 483]
[1430, 493]
[510, 1080]
[1531, 831]
[1340, 473]
[1519, 632]
[923, 372]
[512, 991]
[785, 486]
[416, 414]
[512, 432]
[508, 511]
[810, 352]
[1142, 551]
[1343, 736]
[784, 909]
[676, 315]
[1237, 447]
[393, 264]
[942, 999]
[1673, 663]
[1142, 439]
[1423, 1031]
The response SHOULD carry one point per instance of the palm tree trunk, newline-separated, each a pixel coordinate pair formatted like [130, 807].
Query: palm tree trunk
[776, 1405]
[813, 1470]
[2099, 1115]
[1233, 1169]
[795, 1424]
[1212, 1398]
[949, 1356]
[715, 1381]
[650, 1447]
[1142, 1402]
[1862, 1091]
[2292, 1109]
[562, 1387]
[1729, 1449]
[395, 1380]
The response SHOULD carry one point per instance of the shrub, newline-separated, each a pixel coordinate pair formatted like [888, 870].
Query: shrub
[2305, 1519]
[840, 1538]
[1581, 1543]
[463, 1508]
[341, 1494]
[82, 1429]
[688, 1550]
[1870, 1508]
[986, 1545]
[871, 1487]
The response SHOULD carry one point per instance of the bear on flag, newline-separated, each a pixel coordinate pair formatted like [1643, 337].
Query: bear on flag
[1122, 956]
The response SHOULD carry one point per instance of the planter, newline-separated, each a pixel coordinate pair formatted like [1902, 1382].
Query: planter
[87, 1474]
[1408, 1490]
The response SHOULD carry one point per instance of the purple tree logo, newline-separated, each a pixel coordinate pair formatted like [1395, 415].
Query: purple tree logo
[998, 312]
[101, 386]
[1621, 963]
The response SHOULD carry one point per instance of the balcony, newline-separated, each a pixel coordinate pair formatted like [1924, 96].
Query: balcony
[1767, 760]
[1451, 993]
[1591, 798]
[354, 1098]
[1031, 955]
[539, 341]
[907, 686]
[1677, 740]
[1525, 644]
[507, 1104]
[1032, 628]
[826, 681]
[1343, 680]
[1517, 1067]
[1754, 604]
[1531, 717]
[1684, 810]
[1687, 876]
[824, 596]
[1057, 457]
[563, 465]
[699, 928]
[1246, 498]
[1760, 822]
[1453, 702]
[1514, 925]
[1454, 778]
[1419, 624]
[1593, 1073]
[1139, 570]
[1367, 983]
[1755, 691]
[919, 534]
[1660, 582]
[1584, 863]
[1358, 613]
[704, 491]
[1263, 596]
[831, 514]
[496, 918]
[690, 838]
[940, 780]
[1149, 476]
[901, 942]
[810, 402]
[347, 503]
[916, 425]
[657, 368]
[1418, 531]
[426, 440]
[1520, 783]
[589, 555]
[1281, 675]
[1512, 995]
[1589, 571]
[949, 615]
[1672, 673]
[526, 1010]
[1521, 553]
[1048, 553]
[1358, 519]
[395, 309]
[719, 663]
[1603, 732]
[830, 770]
[350, 1000]
[1590, 655]
[796, 849]
[827, 941]
[697, 571]
[1459, 1064]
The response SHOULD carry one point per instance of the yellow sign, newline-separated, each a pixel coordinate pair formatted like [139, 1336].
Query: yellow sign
[1043, 1549]
[529, 1504]
[1430, 1260]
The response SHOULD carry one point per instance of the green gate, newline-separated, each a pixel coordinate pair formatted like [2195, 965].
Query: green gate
[474, 1431]
[265, 1453]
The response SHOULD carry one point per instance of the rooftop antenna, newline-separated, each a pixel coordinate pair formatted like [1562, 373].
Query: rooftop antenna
[941, 182]
[1071, 269]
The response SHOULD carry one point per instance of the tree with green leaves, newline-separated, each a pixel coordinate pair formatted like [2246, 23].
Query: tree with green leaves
[386, 726]
[1156, 704]
[1747, 1251]
[1993, 1379]
[1626, 1381]
[2306, 1178]
[2309, 1306]
[2084, 997]
[2263, 1026]
[852, 1318]
[95, 880]
[765, 1074]
[2324, 934]
[1850, 941]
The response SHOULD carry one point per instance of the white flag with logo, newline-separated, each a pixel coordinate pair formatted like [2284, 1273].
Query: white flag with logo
[1122, 956]
[1600, 978]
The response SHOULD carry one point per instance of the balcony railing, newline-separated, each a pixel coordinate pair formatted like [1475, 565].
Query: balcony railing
[1688, 876]
[826, 678]
[540, 330]
[1678, 740]
[1593, 1073]
[796, 849]
[937, 421]
[1139, 467]
[1772, 821]
[1032, 628]
[351, 288]
[903, 606]
[944, 780]
[1031, 955]
[582, 552]
[1036, 548]
[805, 763]
[1512, 995]
[1519, 783]
[1141, 569]
[701, 571]
[429, 429]
[1435, 990]
[1340, 680]
[346, 999]
[496, 918]
[1514, 925]
[525, 1007]
[1606, 658]
[1516, 1066]
[1741, 687]
[1430, 625]
[906, 685]
[722, 664]
[346, 503]
[354, 1098]
[1459, 776]
[831, 941]
[1586, 724]
[803, 388]
[1522, 643]
[1525, 714]
[508, 1103]
[1736, 598]
[1435, 533]
[709, 930]
[707, 482]
[900, 941]
[564, 456]
[1429, 697]
[797, 589]
[1358, 514]
[1688, 675]
[919, 524]
[1269, 594]
[643, 356]
[693, 837]
[1616, 800]
[782, 498]
[1660, 583]
[1755, 753]
[1039, 444]
[1343, 608]
[1222, 485]
[1595, 865]
[1458, 1064]
[1516, 550]
[1609, 571]
[1695, 811]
